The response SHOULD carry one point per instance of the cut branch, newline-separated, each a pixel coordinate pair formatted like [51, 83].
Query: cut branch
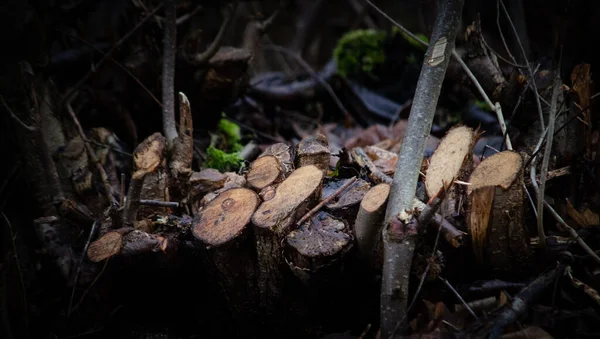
[398, 248]
[168, 72]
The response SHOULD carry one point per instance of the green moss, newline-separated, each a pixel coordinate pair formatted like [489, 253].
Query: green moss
[222, 161]
[359, 51]
[227, 157]
[231, 131]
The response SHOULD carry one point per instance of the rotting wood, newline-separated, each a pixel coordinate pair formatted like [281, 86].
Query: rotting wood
[495, 217]
[319, 243]
[223, 227]
[272, 221]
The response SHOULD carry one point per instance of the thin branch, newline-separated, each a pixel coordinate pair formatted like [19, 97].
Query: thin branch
[168, 72]
[93, 157]
[70, 92]
[214, 46]
[399, 232]
[80, 263]
[158, 203]
[18, 262]
[326, 200]
[546, 159]
[572, 233]
[16, 118]
[494, 107]
[118, 64]
[459, 297]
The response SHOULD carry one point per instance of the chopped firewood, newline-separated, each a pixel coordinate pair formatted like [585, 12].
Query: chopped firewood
[319, 243]
[225, 217]
[496, 212]
[205, 181]
[108, 245]
[369, 218]
[314, 150]
[452, 160]
[232, 180]
[282, 152]
[273, 220]
[263, 172]
[223, 227]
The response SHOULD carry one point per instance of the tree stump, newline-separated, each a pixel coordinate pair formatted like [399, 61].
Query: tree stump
[496, 213]
[222, 226]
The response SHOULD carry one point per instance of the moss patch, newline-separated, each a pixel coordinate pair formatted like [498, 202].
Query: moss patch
[359, 51]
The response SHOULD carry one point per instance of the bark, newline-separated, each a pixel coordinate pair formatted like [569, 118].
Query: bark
[399, 240]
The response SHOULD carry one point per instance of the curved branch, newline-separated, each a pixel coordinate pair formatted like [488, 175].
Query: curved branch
[214, 46]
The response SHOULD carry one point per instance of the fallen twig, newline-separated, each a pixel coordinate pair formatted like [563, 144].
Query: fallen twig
[325, 201]
[169, 204]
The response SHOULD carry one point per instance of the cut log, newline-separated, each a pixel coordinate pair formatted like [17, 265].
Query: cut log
[452, 160]
[222, 226]
[263, 172]
[496, 213]
[108, 245]
[205, 181]
[281, 151]
[318, 244]
[346, 204]
[314, 150]
[367, 226]
[273, 220]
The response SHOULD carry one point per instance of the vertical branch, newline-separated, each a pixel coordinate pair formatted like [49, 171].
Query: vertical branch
[168, 76]
[546, 159]
[400, 229]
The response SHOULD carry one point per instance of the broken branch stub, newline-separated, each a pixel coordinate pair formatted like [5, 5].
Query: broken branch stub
[147, 157]
[182, 152]
[495, 216]
[263, 172]
[452, 160]
[223, 227]
[272, 221]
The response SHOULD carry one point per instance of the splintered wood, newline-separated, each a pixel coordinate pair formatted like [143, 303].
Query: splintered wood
[496, 212]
